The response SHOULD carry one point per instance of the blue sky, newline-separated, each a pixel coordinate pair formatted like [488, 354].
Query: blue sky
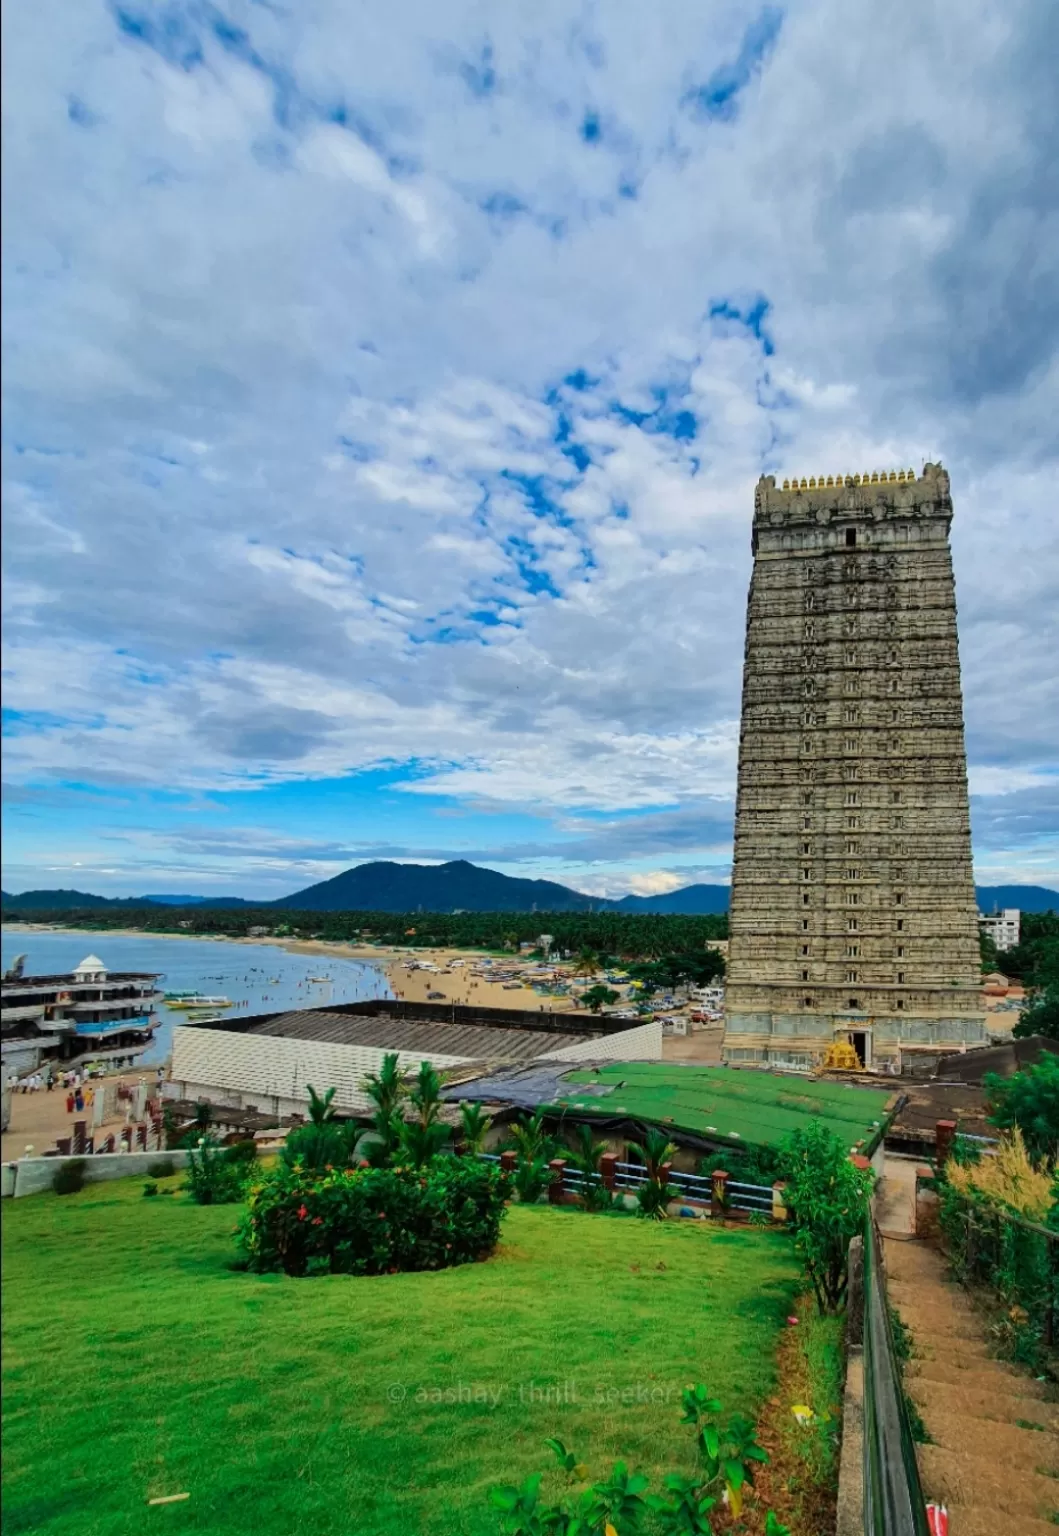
[385, 389]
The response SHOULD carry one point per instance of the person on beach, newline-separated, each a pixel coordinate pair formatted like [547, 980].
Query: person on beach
[70, 1102]
[79, 1099]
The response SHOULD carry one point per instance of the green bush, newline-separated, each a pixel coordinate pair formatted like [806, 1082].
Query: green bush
[241, 1152]
[69, 1177]
[214, 1177]
[757, 1165]
[1028, 1099]
[150, 1190]
[372, 1221]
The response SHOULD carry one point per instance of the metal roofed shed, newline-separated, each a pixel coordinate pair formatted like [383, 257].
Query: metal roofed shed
[267, 1061]
[473, 1042]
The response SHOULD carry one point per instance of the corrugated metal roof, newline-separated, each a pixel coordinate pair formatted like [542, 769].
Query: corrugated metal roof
[475, 1042]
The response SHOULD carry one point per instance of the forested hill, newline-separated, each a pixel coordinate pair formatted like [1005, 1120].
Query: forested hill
[459, 885]
[456, 887]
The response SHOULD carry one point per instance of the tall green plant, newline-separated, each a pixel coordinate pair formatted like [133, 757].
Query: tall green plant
[386, 1089]
[827, 1196]
[474, 1127]
[424, 1136]
[531, 1139]
[586, 1157]
[321, 1110]
[655, 1151]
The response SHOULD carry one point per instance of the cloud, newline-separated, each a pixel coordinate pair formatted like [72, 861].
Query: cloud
[371, 405]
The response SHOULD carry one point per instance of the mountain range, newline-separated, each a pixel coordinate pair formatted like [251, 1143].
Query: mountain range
[462, 886]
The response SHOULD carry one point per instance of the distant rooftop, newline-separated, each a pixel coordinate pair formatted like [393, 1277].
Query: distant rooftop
[476, 1042]
[72, 979]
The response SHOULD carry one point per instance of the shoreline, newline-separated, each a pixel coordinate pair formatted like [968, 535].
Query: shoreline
[406, 984]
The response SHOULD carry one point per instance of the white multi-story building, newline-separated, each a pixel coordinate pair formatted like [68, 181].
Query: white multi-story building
[1001, 927]
[89, 1012]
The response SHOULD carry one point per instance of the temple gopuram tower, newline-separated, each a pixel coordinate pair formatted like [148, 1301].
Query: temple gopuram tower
[853, 913]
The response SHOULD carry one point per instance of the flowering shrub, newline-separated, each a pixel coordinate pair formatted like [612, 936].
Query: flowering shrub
[373, 1221]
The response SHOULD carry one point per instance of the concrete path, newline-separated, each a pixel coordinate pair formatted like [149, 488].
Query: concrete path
[895, 1197]
[994, 1429]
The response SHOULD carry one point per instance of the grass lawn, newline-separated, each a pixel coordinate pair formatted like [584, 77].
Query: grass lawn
[136, 1363]
[755, 1108]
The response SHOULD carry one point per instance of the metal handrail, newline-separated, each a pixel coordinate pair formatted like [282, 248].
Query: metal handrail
[893, 1497]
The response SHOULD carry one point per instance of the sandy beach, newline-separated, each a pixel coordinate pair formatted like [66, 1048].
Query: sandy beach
[458, 975]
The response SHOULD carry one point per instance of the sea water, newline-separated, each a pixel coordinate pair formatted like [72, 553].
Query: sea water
[258, 978]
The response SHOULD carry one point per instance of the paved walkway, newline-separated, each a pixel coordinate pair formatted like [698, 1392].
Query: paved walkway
[38, 1118]
[994, 1456]
[895, 1199]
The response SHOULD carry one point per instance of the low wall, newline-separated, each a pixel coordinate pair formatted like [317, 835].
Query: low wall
[33, 1175]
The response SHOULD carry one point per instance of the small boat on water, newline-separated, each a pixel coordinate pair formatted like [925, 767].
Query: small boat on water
[196, 1000]
[319, 979]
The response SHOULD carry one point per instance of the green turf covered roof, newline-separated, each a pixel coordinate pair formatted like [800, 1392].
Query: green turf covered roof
[751, 1108]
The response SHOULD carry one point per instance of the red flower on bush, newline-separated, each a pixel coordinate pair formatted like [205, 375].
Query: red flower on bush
[303, 1211]
[318, 1221]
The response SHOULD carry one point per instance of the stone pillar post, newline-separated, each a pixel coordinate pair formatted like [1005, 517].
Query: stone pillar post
[719, 1194]
[80, 1127]
[557, 1167]
[108, 1145]
[508, 1161]
[99, 1106]
[141, 1137]
[779, 1202]
[608, 1170]
[944, 1134]
[64, 1145]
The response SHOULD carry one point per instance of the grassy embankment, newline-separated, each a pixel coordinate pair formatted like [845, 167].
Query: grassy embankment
[137, 1363]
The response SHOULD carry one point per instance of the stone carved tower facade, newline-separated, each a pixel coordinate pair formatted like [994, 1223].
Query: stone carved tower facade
[853, 912]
